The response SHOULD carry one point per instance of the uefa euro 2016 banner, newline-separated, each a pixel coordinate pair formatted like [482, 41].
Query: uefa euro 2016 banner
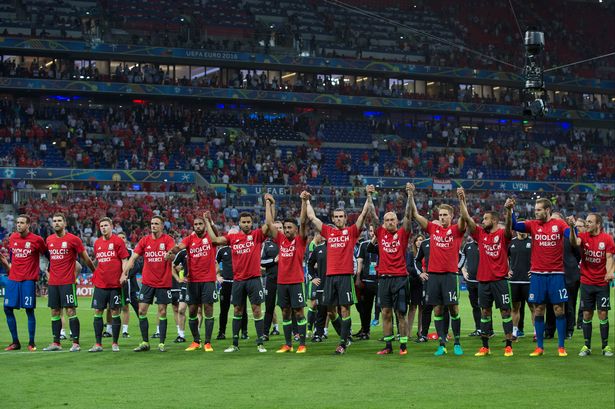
[102, 175]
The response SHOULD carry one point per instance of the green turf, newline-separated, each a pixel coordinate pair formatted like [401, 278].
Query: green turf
[247, 379]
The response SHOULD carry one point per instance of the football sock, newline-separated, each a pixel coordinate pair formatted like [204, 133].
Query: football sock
[259, 324]
[144, 327]
[345, 328]
[116, 324]
[337, 325]
[302, 324]
[456, 326]
[539, 325]
[236, 327]
[389, 339]
[162, 327]
[31, 324]
[604, 332]
[181, 333]
[439, 323]
[98, 328]
[125, 328]
[560, 324]
[158, 329]
[287, 328]
[311, 317]
[507, 324]
[56, 328]
[193, 324]
[402, 343]
[515, 331]
[485, 329]
[12, 323]
[75, 327]
[109, 328]
[587, 333]
[209, 328]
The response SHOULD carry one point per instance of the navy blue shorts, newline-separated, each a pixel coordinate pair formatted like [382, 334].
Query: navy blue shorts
[547, 288]
[20, 294]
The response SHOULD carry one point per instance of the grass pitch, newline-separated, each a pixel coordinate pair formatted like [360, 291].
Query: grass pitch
[247, 379]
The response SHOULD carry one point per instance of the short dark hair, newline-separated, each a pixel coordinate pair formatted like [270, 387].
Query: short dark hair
[598, 218]
[494, 215]
[546, 203]
[58, 214]
[246, 214]
[159, 218]
[290, 220]
[25, 216]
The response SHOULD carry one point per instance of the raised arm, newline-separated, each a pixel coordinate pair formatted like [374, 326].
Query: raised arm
[575, 241]
[517, 226]
[269, 215]
[305, 196]
[464, 217]
[220, 240]
[407, 220]
[311, 215]
[508, 208]
[370, 189]
[423, 222]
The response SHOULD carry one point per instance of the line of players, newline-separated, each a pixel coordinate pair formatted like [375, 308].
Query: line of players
[335, 289]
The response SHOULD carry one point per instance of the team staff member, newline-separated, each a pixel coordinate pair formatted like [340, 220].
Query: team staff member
[597, 271]
[269, 261]
[519, 254]
[224, 275]
[157, 281]
[442, 281]
[25, 249]
[367, 283]
[469, 253]
[111, 256]
[339, 288]
[64, 251]
[416, 286]
[317, 273]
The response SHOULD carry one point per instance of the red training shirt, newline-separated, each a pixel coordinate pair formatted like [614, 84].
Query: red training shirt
[547, 245]
[246, 253]
[493, 254]
[109, 254]
[444, 251]
[392, 251]
[63, 254]
[156, 270]
[25, 253]
[593, 257]
[201, 254]
[340, 249]
[290, 259]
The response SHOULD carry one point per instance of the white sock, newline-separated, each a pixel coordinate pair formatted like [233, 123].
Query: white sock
[275, 327]
[515, 331]
[62, 332]
[125, 328]
[157, 329]
[109, 328]
[326, 331]
[181, 333]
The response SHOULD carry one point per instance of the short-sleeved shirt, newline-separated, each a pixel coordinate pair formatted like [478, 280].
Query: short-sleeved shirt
[157, 271]
[593, 257]
[547, 245]
[445, 244]
[225, 258]
[392, 251]
[340, 249]
[471, 258]
[493, 254]
[63, 254]
[109, 254]
[25, 253]
[519, 258]
[201, 255]
[246, 252]
[290, 259]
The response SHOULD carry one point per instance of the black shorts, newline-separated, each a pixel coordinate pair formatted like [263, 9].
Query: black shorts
[595, 297]
[111, 297]
[339, 290]
[442, 289]
[519, 292]
[179, 294]
[147, 293]
[252, 288]
[130, 289]
[291, 295]
[494, 291]
[201, 293]
[62, 296]
[416, 293]
[315, 291]
[393, 292]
